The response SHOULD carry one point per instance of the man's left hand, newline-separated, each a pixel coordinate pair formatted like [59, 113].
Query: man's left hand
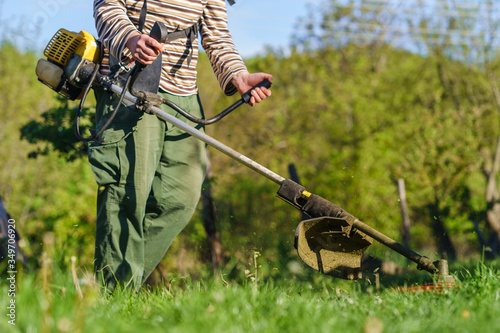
[244, 81]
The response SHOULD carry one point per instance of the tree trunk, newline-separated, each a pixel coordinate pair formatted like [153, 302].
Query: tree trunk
[209, 216]
[493, 204]
[492, 193]
[480, 235]
[493, 220]
[443, 240]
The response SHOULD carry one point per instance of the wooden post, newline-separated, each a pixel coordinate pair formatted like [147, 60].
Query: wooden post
[405, 230]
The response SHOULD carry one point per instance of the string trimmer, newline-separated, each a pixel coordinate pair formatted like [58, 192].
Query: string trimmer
[332, 241]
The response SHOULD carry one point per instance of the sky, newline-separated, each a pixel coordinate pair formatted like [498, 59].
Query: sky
[254, 24]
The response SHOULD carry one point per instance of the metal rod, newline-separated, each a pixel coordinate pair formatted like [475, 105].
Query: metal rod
[207, 139]
[423, 262]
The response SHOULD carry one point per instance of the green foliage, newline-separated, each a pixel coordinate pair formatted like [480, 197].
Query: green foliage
[353, 121]
[46, 193]
[56, 130]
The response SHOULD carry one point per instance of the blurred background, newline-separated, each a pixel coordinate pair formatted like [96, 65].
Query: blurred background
[388, 108]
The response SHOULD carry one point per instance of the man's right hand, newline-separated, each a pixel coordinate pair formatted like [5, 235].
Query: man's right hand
[144, 48]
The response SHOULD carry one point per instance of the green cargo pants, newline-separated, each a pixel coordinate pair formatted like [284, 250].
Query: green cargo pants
[149, 175]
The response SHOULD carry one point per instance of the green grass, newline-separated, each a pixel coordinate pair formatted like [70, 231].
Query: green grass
[317, 304]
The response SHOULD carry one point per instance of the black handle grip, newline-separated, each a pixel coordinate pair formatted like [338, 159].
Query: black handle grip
[159, 32]
[246, 96]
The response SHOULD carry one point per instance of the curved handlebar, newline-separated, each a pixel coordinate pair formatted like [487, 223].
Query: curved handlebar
[245, 98]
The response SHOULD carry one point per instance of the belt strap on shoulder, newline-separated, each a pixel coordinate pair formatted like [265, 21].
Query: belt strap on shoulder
[190, 33]
[142, 17]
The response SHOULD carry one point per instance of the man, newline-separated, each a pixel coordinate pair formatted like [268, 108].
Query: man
[149, 172]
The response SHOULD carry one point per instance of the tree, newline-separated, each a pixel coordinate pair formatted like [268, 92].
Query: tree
[471, 38]
[439, 132]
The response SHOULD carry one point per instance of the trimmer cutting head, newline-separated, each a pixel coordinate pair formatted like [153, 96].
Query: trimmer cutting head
[330, 245]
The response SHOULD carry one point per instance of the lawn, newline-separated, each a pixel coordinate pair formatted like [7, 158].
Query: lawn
[290, 304]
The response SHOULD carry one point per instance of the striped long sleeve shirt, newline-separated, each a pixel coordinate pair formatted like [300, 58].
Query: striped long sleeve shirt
[116, 20]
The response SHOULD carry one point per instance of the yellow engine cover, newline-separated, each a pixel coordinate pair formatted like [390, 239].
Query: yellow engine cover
[65, 43]
[88, 48]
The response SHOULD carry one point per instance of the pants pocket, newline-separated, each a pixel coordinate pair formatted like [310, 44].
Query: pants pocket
[106, 155]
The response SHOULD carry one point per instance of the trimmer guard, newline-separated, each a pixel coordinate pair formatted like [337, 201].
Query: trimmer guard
[331, 246]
